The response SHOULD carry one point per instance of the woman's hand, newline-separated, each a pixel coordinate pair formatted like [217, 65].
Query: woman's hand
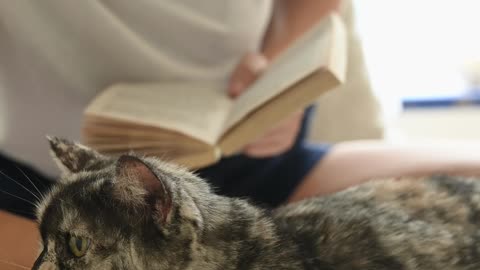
[290, 19]
[280, 138]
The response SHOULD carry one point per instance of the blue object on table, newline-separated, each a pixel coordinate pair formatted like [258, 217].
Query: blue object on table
[471, 98]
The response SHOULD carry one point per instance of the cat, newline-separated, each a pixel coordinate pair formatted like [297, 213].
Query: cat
[134, 212]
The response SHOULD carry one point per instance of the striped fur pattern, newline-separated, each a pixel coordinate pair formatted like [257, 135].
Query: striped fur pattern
[142, 213]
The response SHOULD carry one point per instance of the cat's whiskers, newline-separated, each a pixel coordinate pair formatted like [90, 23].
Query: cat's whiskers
[16, 182]
[18, 211]
[14, 264]
[31, 182]
[18, 197]
[38, 181]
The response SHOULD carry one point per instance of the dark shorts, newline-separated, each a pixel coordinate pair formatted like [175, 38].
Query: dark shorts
[265, 181]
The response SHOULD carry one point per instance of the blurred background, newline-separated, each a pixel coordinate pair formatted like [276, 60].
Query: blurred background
[423, 63]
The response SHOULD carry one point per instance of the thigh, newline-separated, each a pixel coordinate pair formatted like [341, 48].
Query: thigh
[353, 163]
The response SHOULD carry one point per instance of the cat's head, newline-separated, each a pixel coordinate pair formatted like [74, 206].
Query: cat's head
[127, 212]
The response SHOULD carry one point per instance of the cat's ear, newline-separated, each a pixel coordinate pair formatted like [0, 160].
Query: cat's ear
[137, 183]
[72, 157]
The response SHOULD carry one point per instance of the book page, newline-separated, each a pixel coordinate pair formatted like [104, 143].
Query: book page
[196, 109]
[307, 55]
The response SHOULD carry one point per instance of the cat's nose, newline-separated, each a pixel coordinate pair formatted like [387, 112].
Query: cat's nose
[47, 266]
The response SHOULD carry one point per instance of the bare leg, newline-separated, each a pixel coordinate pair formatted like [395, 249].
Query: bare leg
[352, 163]
[19, 243]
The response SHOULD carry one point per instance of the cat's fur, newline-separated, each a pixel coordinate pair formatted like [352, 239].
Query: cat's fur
[142, 213]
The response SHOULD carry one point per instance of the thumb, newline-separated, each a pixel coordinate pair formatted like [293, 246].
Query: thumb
[246, 72]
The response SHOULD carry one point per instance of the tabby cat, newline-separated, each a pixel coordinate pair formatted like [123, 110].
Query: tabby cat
[134, 212]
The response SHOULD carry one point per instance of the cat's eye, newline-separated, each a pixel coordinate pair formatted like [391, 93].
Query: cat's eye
[78, 245]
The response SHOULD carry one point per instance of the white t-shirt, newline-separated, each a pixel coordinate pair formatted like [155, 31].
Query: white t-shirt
[55, 55]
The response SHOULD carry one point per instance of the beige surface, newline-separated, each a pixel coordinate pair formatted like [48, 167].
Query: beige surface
[17, 234]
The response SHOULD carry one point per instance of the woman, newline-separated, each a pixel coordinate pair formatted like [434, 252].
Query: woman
[56, 56]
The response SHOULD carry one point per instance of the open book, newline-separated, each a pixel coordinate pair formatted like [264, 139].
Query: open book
[196, 123]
